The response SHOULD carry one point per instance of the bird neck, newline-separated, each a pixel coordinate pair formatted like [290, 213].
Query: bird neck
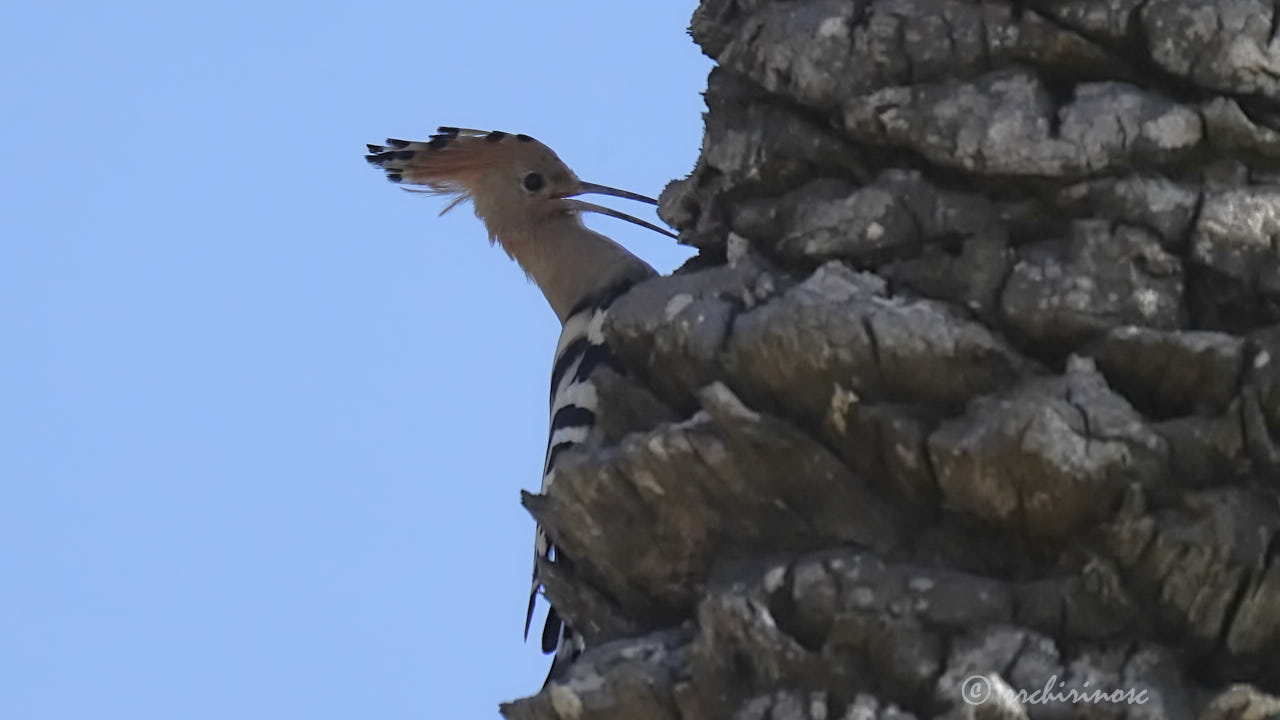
[570, 262]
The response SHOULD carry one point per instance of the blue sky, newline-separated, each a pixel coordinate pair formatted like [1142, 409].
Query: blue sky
[264, 418]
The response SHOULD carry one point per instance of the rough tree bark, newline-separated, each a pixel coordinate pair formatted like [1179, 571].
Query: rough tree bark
[977, 374]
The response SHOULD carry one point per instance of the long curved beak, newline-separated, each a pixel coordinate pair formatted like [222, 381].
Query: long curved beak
[594, 189]
[584, 206]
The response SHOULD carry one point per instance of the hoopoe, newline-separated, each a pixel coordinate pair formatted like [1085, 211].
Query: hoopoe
[526, 197]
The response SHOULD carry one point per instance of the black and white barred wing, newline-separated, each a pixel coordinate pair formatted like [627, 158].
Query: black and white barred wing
[580, 352]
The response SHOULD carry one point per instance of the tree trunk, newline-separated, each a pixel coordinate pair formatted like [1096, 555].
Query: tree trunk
[974, 385]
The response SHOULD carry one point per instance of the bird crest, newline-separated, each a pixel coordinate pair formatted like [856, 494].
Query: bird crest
[514, 181]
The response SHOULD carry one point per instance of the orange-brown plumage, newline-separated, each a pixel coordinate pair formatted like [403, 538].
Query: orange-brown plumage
[463, 163]
[525, 195]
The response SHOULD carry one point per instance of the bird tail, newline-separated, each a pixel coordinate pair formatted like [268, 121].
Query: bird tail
[569, 645]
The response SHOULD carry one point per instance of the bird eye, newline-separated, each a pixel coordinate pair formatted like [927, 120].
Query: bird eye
[533, 182]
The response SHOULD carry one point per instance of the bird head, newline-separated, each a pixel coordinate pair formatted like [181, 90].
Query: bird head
[516, 183]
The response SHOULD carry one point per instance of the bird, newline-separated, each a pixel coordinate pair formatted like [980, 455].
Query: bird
[527, 199]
